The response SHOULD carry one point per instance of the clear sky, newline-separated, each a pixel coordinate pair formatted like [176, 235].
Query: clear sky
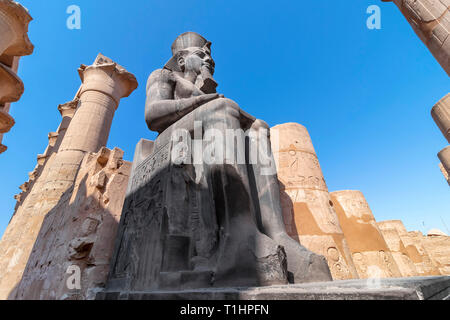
[364, 95]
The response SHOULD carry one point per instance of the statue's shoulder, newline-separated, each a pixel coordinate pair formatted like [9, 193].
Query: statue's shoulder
[159, 75]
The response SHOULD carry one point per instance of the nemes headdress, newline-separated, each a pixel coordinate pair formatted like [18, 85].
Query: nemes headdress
[186, 40]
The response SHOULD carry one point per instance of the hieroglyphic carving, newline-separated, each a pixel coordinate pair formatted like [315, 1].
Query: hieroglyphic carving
[292, 165]
[142, 209]
[361, 264]
[337, 265]
[150, 166]
[388, 262]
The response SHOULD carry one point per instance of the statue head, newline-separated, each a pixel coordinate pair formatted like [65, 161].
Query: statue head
[192, 53]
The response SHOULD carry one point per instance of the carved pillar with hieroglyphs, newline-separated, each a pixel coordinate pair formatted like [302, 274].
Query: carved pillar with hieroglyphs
[307, 209]
[430, 19]
[414, 248]
[371, 254]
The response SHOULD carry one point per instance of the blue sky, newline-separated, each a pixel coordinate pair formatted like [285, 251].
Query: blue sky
[364, 95]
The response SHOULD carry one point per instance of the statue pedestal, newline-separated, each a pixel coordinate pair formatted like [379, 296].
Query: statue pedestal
[414, 288]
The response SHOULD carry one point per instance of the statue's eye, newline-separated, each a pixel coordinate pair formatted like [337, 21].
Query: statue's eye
[201, 54]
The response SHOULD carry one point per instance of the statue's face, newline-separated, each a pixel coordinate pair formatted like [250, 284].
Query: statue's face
[197, 58]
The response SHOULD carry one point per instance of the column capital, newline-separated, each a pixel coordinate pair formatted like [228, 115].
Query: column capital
[6, 121]
[12, 87]
[68, 109]
[52, 137]
[15, 19]
[444, 156]
[441, 115]
[107, 77]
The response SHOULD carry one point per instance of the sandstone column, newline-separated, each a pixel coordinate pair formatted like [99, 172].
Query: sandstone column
[104, 84]
[441, 115]
[437, 244]
[14, 42]
[414, 248]
[308, 214]
[399, 252]
[14, 20]
[444, 156]
[430, 19]
[371, 254]
[67, 111]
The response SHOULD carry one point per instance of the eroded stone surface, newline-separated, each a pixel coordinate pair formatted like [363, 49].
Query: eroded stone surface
[79, 231]
[52, 181]
[399, 252]
[414, 248]
[307, 209]
[370, 252]
[438, 247]
[14, 20]
[14, 42]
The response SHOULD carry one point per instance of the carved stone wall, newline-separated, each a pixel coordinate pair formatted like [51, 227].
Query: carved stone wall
[430, 19]
[307, 209]
[79, 231]
[370, 252]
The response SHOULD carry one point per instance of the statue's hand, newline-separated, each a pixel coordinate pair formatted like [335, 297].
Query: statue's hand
[205, 98]
[185, 88]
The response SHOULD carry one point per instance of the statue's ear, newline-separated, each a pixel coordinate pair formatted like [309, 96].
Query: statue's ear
[176, 63]
[180, 61]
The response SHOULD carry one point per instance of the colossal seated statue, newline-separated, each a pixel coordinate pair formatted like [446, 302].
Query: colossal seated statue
[202, 206]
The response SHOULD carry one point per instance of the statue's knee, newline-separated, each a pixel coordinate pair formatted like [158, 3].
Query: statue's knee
[259, 124]
[224, 108]
[227, 106]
